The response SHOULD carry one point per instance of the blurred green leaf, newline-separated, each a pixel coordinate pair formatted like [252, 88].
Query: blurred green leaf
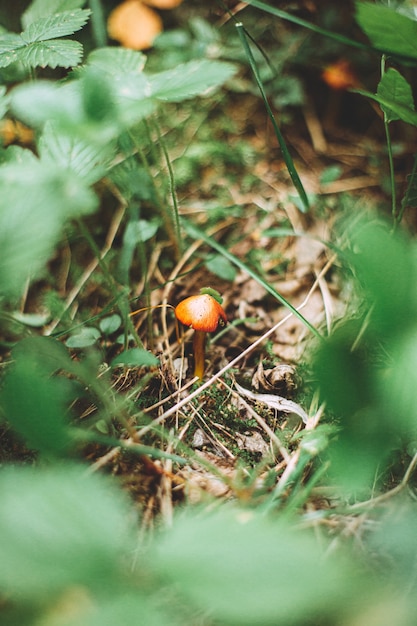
[388, 29]
[110, 324]
[384, 265]
[35, 203]
[394, 87]
[241, 568]
[222, 267]
[88, 161]
[135, 357]
[117, 62]
[34, 403]
[126, 609]
[60, 527]
[190, 79]
[399, 396]
[83, 338]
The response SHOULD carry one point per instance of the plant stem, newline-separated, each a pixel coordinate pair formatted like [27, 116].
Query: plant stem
[121, 303]
[175, 215]
[98, 23]
[199, 345]
[390, 155]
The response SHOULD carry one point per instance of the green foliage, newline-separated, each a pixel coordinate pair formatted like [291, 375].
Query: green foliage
[59, 528]
[34, 405]
[394, 87]
[268, 574]
[135, 357]
[389, 30]
[355, 365]
[35, 203]
[38, 46]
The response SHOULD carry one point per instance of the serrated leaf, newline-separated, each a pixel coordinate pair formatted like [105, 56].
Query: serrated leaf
[117, 61]
[89, 162]
[135, 357]
[60, 528]
[57, 25]
[38, 46]
[387, 29]
[394, 87]
[190, 79]
[35, 203]
[43, 8]
[53, 53]
[9, 46]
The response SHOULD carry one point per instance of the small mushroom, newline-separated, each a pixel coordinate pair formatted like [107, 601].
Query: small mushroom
[203, 313]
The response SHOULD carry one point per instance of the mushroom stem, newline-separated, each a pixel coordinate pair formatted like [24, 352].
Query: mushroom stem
[199, 344]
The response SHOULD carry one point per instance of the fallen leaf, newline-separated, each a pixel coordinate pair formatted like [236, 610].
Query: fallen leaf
[134, 25]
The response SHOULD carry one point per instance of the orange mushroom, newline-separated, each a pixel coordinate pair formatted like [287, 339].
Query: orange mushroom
[340, 75]
[203, 313]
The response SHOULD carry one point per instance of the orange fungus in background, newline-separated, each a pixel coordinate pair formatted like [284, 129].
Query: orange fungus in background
[134, 25]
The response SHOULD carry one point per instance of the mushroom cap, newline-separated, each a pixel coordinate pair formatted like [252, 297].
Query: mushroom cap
[201, 312]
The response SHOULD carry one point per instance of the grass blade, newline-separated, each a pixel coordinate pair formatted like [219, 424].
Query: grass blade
[285, 152]
[312, 27]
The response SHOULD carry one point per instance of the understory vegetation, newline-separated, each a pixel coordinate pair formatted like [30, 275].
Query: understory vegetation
[257, 468]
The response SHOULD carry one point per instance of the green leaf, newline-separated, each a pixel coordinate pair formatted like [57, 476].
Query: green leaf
[124, 607]
[60, 527]
[117, 61]
[394, 87]
[9, 46]
[110, 324]
[57, 25]
[35, 103]
[135, 357]
[230, 564]
[222, 267]
[35, 404]
[387, 29]
[383, 264]
[44, 8]
[53, 53]
[123, 69]
[35, 203]
[407, 115]
[190, 79]
[84, 338]
[38, 46]
[85, 160]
